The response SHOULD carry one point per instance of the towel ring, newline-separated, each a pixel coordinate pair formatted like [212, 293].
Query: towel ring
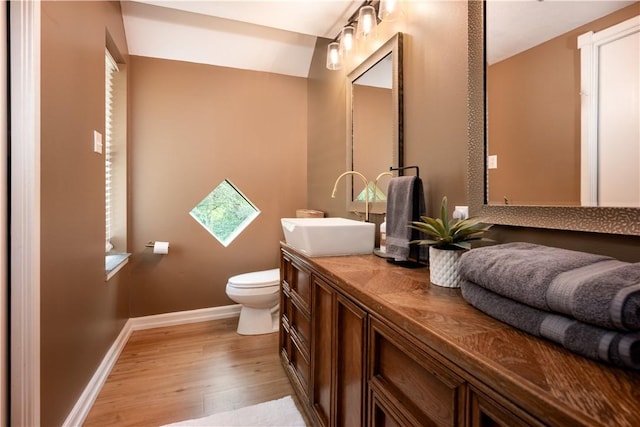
[402, 169]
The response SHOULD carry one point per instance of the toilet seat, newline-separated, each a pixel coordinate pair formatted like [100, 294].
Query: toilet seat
[256, 279]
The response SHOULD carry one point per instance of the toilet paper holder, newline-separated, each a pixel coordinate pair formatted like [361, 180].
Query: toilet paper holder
[161, 248]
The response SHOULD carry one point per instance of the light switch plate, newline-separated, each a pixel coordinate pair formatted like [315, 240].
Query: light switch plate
[492, 162]
[97, 142]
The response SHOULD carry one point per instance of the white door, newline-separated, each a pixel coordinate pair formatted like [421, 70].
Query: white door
[610, 88]
[619, 122]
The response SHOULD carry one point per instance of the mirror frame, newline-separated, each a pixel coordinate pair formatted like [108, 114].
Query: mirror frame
[393, 46]
[590, 219]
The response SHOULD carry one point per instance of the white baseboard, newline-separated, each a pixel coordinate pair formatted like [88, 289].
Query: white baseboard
[82, 407]
[90, 393]
[184, 317]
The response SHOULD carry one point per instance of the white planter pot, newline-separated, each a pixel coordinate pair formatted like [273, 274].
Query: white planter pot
[443, 267]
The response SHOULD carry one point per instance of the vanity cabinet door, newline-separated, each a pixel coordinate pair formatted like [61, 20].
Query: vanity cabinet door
[409, 387]
[486, 412]
[338, 357]
[322, 350]
[351, 336]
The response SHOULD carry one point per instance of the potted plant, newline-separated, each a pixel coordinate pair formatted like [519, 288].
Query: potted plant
[448, 240]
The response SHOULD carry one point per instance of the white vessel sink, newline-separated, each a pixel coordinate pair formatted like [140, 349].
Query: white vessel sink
[329, 236]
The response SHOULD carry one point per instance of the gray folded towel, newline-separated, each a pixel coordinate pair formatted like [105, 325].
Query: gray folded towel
[591, 288]
[618, 348]
[605, 294]
[405, 203]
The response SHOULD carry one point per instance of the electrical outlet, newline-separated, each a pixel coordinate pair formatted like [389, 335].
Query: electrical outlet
[461, 212]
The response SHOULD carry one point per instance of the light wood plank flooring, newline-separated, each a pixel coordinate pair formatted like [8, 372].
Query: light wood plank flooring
[189, 371]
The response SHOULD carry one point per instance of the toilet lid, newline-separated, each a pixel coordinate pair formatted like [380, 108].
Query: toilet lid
[256, 279]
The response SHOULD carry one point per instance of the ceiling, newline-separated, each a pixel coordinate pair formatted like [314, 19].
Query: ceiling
[279, 36]
[272, 36]
[516, 25]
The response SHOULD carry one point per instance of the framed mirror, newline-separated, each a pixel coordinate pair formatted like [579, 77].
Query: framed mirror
[604, 219]
[374, 125]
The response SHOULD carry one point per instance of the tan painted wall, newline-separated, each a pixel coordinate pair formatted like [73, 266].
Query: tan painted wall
[435, 125]
[264, 147]
[192, 126]
[81, 314]
[435, 106]
[538, 143]
[537, 92]
[372, 134]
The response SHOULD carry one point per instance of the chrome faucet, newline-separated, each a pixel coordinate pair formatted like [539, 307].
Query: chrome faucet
[366, 189]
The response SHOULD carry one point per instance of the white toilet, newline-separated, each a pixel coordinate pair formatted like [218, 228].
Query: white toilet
[259, 294]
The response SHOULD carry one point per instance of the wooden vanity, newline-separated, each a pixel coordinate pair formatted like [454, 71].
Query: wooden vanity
[365, 342]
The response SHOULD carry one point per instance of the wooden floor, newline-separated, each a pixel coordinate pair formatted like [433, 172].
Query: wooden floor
[189, 371]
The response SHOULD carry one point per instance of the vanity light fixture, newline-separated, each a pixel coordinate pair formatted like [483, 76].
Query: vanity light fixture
[361, 26]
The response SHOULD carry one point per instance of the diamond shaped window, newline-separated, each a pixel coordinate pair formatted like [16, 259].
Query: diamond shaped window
[225, 212]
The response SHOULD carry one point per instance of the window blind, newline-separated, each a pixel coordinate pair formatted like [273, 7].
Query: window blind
[110, 68]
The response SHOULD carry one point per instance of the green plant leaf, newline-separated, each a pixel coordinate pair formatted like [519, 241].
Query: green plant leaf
[462, 245]
[425, 228]
[436, 224]
[448, 233]
[424, 242]
[443, 214]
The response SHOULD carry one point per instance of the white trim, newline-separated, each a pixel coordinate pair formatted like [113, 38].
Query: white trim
[82, 407]
[117, 268]
[588, 122]
[184, 317]
[589, 44]
[25, 213]
[4, 257]
[91, 391]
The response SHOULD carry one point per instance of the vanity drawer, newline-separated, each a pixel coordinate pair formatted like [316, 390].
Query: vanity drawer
[285, 340]
[295, 362]
[382, 415]
[412, 382]
[286, 306]
[300, 363]
[302, 285]
[298, 280]
[301, 325]
[485, 411]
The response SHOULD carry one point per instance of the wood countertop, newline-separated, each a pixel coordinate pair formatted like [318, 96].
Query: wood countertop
[551, 383]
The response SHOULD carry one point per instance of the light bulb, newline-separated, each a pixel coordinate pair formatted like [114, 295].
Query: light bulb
[389, 10]
[334, 59]
[367, 22]
[347, 40]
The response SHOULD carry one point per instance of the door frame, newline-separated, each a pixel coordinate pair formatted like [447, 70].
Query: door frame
[24, 193]
[4, 256]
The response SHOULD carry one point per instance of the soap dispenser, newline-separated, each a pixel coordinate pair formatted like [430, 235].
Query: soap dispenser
[383, 236]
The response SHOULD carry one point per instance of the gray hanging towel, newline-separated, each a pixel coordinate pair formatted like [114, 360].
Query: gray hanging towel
[405, 203]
